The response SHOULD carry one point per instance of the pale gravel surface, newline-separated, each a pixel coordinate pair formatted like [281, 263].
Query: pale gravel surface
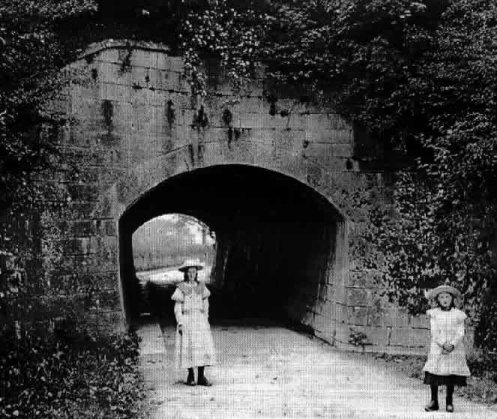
[273, 372]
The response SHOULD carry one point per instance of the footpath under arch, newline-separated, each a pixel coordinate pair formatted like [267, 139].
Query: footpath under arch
[277, 240]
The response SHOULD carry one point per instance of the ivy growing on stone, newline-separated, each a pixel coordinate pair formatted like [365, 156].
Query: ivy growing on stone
[421, 76]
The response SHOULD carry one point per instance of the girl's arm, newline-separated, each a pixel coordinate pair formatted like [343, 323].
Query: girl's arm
[178, 299]
[206, 307]
[205, 295]
[435, 332]
[459, 335]
[178, 312]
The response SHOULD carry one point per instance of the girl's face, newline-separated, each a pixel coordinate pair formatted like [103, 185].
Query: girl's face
[191, 273]
[445, 299]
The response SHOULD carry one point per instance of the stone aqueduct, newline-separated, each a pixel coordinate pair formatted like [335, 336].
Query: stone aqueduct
[288, 188]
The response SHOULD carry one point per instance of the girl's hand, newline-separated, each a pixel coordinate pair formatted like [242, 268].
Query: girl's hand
[448, 347]
[180, 329]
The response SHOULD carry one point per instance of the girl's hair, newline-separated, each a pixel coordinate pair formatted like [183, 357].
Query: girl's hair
[185, 273]
[452, 301]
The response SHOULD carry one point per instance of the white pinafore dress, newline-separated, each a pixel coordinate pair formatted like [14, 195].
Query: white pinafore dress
[447, 326]
[195, 346]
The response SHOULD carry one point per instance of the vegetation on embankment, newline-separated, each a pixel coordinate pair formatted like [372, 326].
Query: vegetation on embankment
[70, 374]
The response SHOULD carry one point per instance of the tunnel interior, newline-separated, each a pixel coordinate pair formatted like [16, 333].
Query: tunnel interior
[276, 240]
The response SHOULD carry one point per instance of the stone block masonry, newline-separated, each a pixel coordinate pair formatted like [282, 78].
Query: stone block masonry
[135, 127]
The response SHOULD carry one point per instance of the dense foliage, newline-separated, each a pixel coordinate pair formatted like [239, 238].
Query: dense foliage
[45, 373]
[70, 375]
[32, 55]
[421, 75]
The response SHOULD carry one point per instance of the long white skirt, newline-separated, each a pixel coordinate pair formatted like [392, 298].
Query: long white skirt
[195, 346]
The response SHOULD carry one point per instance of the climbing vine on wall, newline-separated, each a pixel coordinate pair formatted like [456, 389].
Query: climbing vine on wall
[234, 36]
[31, 59]
[421, 76]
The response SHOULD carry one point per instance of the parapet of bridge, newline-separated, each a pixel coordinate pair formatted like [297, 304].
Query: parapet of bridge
[289, 187]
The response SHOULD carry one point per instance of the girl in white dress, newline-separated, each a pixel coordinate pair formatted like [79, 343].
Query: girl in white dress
[446, 364]
[194, 344]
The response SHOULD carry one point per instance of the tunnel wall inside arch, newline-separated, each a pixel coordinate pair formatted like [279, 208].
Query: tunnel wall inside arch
[134, 124]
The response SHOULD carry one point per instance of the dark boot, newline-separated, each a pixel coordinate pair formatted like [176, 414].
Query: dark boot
[202, 381]
[448, 401]
[190, 381]
[433, 405]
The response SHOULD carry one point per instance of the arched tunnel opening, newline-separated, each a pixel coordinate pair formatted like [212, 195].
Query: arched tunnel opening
[160, 246]
[277, 241]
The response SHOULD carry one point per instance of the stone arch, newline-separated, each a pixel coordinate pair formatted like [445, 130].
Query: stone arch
[137, 125]
[275, 232]
[148, 175]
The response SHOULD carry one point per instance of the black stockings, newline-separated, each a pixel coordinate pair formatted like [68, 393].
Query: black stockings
[434, 392]
[449, 394]
[191, 375]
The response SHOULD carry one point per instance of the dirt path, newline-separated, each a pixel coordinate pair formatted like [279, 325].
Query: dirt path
[273, 372]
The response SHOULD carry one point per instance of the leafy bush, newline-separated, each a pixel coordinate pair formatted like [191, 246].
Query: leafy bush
[484, 364]
[32, 56]
[358, 338]
[69, 375]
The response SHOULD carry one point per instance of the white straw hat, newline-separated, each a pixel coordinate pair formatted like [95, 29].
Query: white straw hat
[444, 288]
[191, 263]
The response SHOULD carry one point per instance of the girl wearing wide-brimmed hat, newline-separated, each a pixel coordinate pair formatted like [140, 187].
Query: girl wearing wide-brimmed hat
[194, 344]
[446, 364]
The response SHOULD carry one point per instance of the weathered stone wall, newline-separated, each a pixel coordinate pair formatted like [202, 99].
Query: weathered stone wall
[135, 124]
